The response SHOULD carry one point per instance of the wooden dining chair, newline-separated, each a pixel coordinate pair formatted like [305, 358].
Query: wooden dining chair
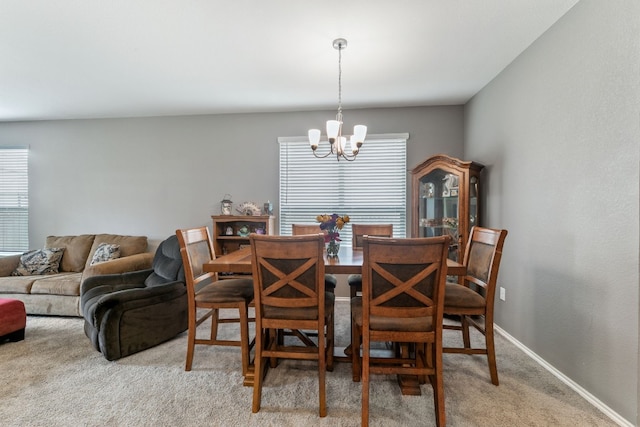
[357, 232]
[205, 291]
[402, 302]
[330, 281]
[473, 300]
[288, 274]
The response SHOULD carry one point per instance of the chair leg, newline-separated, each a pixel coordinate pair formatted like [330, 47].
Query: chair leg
[438, 388]
[191, 342]
[356, 368]
[365, 382]
[322, 369]
[330, 341]
[491, 351]
[258, 374]
[244, 337]
[214, 324]
[464, 324]
[421, 360]
[276, 338]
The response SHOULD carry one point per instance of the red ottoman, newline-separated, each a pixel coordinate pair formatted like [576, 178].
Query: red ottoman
[13, 319]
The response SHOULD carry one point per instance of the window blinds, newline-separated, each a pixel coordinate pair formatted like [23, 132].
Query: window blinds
[14, 199]
[371, 190]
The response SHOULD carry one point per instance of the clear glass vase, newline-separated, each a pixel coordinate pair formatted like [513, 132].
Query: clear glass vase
[333, 248]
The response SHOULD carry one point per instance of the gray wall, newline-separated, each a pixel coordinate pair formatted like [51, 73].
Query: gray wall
[559, 133]
[151, 176]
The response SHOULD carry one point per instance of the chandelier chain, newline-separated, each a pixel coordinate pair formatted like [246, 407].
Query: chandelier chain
[339, 116]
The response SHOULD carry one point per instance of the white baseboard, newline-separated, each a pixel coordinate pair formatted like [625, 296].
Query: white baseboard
[615, 417]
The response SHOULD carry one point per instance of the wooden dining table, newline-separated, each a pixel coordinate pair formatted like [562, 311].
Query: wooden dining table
[348, 261]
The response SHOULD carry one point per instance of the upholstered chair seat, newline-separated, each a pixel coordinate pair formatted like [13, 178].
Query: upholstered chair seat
[459, 296]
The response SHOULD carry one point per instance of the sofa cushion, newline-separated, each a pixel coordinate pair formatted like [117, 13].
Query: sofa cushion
[39, 261]
[105, 252]
[16, 285]
[60, 284]
[76, 250]
[129, 245]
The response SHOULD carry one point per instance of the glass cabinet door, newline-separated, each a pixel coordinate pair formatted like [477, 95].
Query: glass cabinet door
[438, 207]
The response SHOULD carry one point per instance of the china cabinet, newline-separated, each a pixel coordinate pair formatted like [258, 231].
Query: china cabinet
[445, 200]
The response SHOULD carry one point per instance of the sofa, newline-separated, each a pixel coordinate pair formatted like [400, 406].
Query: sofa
[129, 312]
[55, 288]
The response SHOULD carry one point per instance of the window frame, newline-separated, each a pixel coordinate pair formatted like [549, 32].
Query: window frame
[14, 199]
[351, 180]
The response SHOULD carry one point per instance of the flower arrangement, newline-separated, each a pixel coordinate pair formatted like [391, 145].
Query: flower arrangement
[331, 224]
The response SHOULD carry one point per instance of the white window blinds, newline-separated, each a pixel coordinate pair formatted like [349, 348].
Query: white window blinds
[371, 189]
[14, 199]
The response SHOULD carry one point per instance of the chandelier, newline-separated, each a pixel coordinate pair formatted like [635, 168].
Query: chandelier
[338, 142]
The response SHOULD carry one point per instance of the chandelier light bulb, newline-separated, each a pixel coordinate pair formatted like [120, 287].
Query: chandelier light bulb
[333, 130]
[314, 138]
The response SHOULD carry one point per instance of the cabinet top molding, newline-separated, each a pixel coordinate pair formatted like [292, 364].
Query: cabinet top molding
[451, 161]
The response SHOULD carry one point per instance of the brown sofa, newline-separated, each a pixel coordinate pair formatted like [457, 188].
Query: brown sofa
[59, 293]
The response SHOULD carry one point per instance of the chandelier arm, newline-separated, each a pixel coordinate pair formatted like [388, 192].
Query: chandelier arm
[323, 156]
[347, 157]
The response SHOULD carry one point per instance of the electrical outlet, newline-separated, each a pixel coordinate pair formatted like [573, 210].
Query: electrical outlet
[503, 294]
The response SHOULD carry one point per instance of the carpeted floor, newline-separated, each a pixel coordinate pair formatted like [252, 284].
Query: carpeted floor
[55, 378]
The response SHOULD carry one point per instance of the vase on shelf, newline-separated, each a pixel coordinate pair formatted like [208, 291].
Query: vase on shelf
[333, 248]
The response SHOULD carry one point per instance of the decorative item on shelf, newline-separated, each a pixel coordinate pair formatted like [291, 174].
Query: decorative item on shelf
[248, 208]
[451, 227]
[268, 208]
[228, 231]
[450, 185]
[226, 205]
[243, 231]
[331, 224]
[431, 189]
[260, 230]
[337, 142]
[450, 222]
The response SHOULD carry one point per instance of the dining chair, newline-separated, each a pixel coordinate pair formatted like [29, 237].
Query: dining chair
[288, 275]
[402, 302]
[473, 299]
[330, 281]
[357, 232]
[205, 291]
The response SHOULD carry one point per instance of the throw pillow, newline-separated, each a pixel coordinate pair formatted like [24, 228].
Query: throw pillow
[105, 252]
[41, 261]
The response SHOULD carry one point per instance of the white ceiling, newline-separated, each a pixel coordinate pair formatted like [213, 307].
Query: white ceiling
[63, 59]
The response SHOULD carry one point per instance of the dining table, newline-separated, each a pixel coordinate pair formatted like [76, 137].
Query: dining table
[348, 261]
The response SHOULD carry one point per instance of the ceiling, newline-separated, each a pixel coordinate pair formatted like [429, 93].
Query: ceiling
[68, 59]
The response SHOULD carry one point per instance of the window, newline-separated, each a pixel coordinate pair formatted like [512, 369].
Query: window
[14, 200]
[371, 190]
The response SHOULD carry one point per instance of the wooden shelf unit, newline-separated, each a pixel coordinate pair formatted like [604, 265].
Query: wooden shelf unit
[224, 243]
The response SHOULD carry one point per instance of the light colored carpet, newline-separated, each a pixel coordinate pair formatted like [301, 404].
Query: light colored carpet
[55, 378]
